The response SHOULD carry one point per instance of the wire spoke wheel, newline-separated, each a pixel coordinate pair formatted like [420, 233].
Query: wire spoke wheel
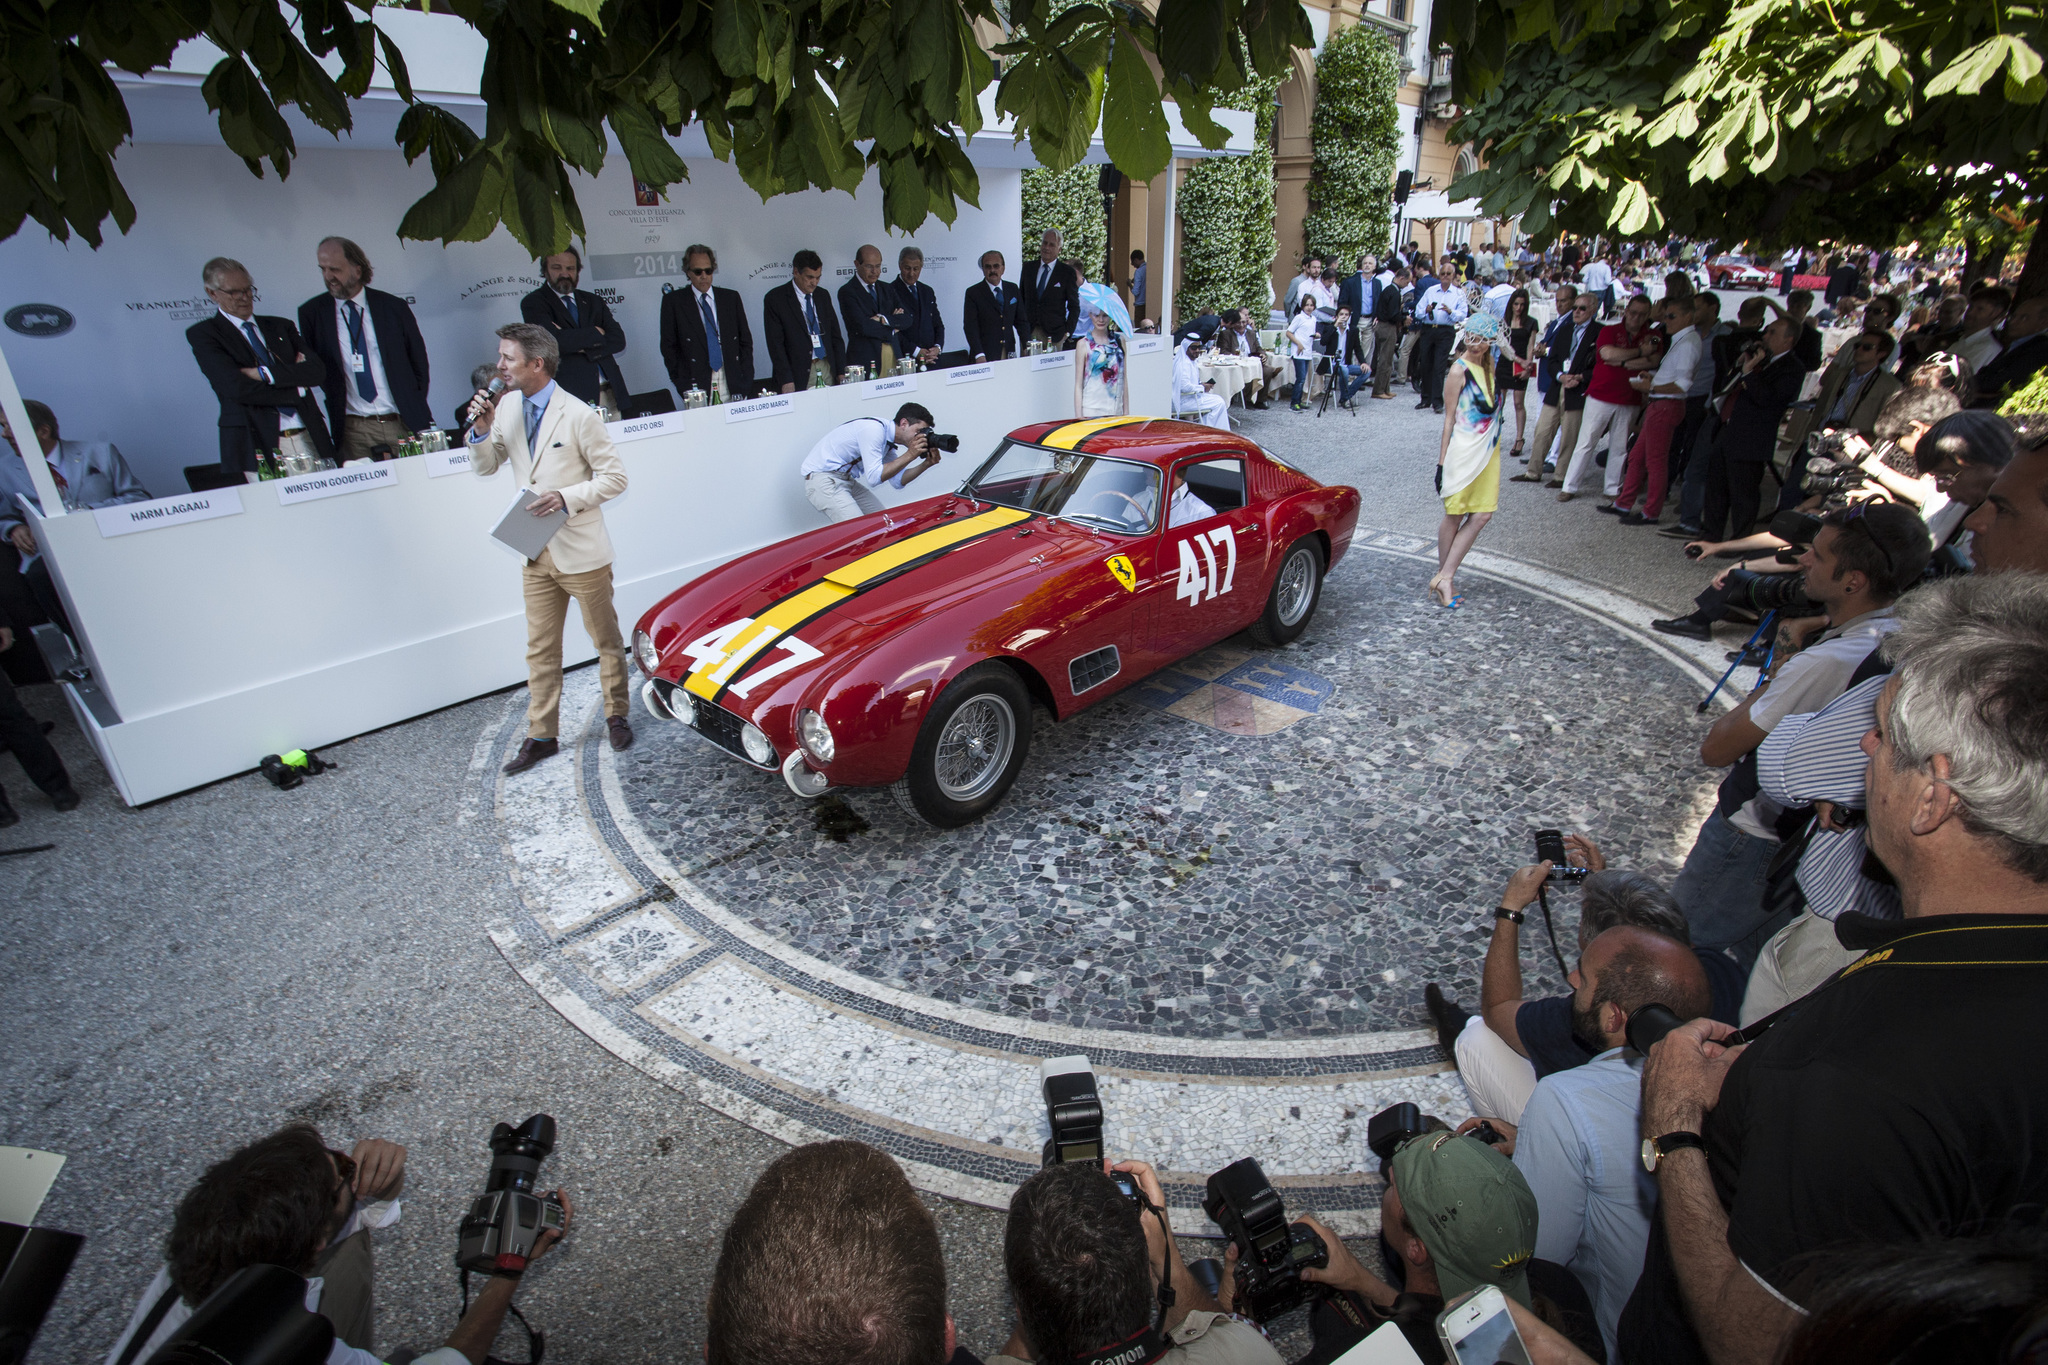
[1296, 588]
[974, 748]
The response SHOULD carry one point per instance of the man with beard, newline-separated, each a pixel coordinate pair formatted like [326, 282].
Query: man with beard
[370, 345]
[1579, 1142]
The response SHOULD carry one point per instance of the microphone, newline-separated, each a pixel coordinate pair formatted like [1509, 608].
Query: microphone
[492, 390]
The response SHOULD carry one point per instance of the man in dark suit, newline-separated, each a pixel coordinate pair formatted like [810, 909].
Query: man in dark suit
[991, 312]
[871, 311]
[583, 326]
[1571, 347]
[922, 332]
[1051, 294]
[261, 372]
[2023, 356]
[705, 341]
[1359, 294]
[371, 346]
[805, 348]
[1770, 381]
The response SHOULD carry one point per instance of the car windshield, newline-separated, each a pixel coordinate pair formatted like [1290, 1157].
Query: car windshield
[1117, 495]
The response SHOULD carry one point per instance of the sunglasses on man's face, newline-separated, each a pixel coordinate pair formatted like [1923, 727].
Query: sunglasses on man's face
[1866, 346]
[703, 270]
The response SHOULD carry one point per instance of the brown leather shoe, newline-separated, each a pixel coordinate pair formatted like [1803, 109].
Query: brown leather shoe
[532, 751]
[1566, 497]
[622, 733]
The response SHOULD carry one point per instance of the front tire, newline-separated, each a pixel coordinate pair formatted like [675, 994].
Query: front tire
[970, 749]
[1297, 588]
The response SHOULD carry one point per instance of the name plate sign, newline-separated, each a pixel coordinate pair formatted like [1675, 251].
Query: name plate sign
[1053, 360]
[889, 386]
[333, 483]
[129, 517]
[1146, 345]
[775, 405]
[442, 463]
[968, 374]
[640, 428]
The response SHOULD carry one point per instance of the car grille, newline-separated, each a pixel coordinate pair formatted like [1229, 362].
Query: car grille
[1093, 669]
[722, 728]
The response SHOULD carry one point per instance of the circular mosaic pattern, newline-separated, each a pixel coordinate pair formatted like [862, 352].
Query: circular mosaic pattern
[1154, 872]
[1226, 886]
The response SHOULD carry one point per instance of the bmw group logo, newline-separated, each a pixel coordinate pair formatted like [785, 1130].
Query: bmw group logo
[38, 320]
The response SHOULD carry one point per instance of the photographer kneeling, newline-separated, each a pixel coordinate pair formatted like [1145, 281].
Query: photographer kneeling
[857, 456]
[1095, 1276]
[289, 1200]
[1457, 1215]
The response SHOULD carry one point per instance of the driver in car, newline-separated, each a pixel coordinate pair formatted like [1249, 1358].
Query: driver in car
[1184, 506]
[1138, 491]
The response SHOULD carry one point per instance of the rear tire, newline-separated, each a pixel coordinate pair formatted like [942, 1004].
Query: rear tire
[1297, 588]
[970, 749]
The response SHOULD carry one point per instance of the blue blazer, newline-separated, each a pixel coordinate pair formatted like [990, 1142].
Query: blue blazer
[399, 344]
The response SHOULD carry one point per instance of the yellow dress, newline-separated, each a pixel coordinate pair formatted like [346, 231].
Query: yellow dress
[1472, 464]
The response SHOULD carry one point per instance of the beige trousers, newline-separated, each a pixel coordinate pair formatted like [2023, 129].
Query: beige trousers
[1552, 422]
[1796, 962]
[548, 591]
[358, 434]
[346, 1270]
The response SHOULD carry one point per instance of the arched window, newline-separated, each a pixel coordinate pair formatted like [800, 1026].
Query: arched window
[1466, 164]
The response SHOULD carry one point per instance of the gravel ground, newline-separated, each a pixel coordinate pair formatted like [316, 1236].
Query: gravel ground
[191, 974]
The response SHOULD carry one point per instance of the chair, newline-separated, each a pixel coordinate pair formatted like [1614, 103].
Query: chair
[650, 404]
[202, 478]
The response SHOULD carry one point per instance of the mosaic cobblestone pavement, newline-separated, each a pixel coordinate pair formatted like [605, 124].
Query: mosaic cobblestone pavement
[1230, 902]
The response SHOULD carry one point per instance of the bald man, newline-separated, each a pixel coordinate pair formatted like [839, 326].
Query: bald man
[872, 312]
[1580, 1140]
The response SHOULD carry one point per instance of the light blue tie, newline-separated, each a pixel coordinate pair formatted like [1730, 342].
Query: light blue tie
[533, 416]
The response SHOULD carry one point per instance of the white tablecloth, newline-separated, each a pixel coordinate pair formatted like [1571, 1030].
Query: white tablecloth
[1232, 374]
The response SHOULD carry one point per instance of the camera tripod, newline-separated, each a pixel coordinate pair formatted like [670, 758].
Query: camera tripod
[1765, 630]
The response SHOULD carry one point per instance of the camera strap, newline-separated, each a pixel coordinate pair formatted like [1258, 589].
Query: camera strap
[1543, 899]
[1149, 1342]
[536, 1342]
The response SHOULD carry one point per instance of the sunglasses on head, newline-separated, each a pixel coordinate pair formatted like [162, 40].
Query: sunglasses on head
[1855, 518]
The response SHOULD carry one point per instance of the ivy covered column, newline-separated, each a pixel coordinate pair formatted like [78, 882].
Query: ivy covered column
[1226, 220]
[1068, 202]
[1357, 145]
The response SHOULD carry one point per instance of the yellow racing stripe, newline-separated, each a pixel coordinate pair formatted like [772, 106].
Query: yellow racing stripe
[1070, 436]
[710, 679]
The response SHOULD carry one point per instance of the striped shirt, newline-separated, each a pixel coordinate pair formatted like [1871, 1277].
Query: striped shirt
[1819, 756]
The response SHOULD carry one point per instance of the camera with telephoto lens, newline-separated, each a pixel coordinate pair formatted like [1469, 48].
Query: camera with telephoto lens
[1833, 465]
[500, 1229]
[1779, 592]
[947, 442]
[1073, 1110]
[1271, 1252]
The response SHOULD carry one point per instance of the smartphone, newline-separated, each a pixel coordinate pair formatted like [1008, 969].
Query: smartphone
[1478, 1330]
[1550, 849]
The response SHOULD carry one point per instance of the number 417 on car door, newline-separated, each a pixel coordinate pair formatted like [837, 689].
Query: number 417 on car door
[1198, 576]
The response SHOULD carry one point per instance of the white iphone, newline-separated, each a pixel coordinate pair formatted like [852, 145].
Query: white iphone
[1478, 1330]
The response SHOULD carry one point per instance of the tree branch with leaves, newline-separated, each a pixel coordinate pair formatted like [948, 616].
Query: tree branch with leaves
[796, 94]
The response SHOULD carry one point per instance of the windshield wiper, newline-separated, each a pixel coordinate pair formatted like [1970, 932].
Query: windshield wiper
[1094, 517]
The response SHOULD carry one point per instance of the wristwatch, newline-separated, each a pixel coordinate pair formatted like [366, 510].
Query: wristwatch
[1502, 912]
[1657, 1148]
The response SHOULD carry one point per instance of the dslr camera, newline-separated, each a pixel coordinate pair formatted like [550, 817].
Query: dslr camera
[1271, 1252]
[946, 441]
[500, 1229]
[1550, 849]
[1073, 1110]
[1394, 1125]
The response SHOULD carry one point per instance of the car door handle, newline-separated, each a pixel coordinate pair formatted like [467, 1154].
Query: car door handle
[1253, 526]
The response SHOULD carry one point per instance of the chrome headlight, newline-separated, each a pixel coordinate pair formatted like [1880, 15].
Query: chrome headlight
[815, 734]
[682, 706]
[644, 653]
[757, 746]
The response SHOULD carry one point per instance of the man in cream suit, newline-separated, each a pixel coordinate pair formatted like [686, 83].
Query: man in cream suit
[577, 469]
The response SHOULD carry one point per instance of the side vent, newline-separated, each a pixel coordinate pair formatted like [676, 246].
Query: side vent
[1094, 669]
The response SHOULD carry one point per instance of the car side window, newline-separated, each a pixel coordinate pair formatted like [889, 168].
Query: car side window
[1217, 481]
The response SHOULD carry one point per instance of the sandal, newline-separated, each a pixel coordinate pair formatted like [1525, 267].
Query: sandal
[1434, 579]
[1516, 453]
[1437, 588]
[1455, 603]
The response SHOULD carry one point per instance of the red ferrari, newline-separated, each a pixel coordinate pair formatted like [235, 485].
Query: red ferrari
[907, 648]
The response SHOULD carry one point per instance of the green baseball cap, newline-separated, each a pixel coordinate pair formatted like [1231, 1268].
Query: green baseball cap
[1472, 1209]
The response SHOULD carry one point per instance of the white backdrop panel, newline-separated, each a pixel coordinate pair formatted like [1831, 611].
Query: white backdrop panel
[124, 372]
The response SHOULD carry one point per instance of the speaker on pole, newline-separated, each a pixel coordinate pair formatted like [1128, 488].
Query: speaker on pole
[1401, 184]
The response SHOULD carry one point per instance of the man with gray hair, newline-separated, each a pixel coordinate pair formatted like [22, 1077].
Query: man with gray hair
[920, 331]
[261, 372]
[559, 448]
[1512, 1043]
[1896, 1103]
